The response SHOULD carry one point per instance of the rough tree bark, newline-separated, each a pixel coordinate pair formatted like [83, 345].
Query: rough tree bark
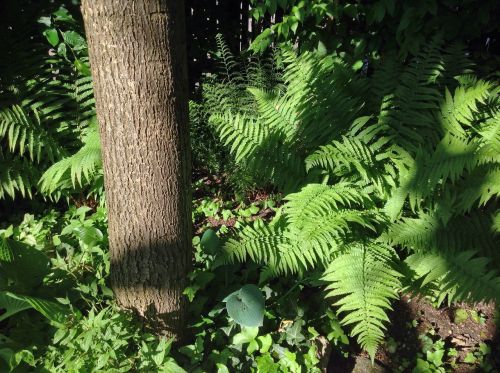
[138, 62]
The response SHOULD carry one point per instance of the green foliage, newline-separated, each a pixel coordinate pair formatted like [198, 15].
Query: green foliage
[45, 111]
[414, 167]
[65, 304]
[357, 29]
[365, 279]
[246, 306]
[14, 303]
[290, 327]
[272, 134]
[114, 340]
[456, 275]
[80, 169]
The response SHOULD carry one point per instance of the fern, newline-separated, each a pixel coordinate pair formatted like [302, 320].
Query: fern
[267, 244]
[273, 135]
[459, 276]
[46, 106]
[457, 234]
[364, 280]
[415, 171]
[17, 176]
[79, 169]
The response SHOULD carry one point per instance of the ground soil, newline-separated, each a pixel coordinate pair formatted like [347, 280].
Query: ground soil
[414, 316]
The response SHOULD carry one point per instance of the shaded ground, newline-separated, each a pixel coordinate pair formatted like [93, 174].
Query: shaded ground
[470, 342]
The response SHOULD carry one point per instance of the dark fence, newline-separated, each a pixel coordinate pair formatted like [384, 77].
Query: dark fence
[207, 18]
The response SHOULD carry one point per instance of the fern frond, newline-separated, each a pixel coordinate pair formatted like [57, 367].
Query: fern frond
[457, 110]
[24, 133]
[319, 200]
[17, 175]
[457, 276]
[457, 234]
[259, 242]
[226, 60]
[363, 281]
[275, 113]
[243, 134]
[478, 188]
[76, 169]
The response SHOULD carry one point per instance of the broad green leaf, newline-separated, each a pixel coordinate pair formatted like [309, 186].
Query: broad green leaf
[210, 243]
[90, 236]
[26, 260]
[246, 306]
[261, 42]
[52, 36]
[14, 303]
[14, 358]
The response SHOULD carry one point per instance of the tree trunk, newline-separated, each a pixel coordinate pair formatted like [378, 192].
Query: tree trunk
[138, 62]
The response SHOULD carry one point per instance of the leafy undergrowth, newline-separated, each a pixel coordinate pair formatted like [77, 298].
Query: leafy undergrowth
[67, 307]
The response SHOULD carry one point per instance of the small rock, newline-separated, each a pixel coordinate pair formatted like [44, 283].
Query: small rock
[364, 365]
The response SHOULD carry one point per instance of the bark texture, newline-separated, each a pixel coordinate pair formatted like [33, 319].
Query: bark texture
[138, 62]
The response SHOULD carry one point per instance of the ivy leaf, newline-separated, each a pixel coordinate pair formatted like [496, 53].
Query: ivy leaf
[294, 333]
[246, 306]
[246, 335]
[265, 342]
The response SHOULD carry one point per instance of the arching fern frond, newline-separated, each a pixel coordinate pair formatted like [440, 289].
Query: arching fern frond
[457, 276]
[459, 233]
[17, 175]
[24, 132]
[457, 110]
[77, 169]
[277, 247]
[362, 281]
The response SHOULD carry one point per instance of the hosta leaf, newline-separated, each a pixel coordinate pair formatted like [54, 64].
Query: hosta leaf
[246, 306]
